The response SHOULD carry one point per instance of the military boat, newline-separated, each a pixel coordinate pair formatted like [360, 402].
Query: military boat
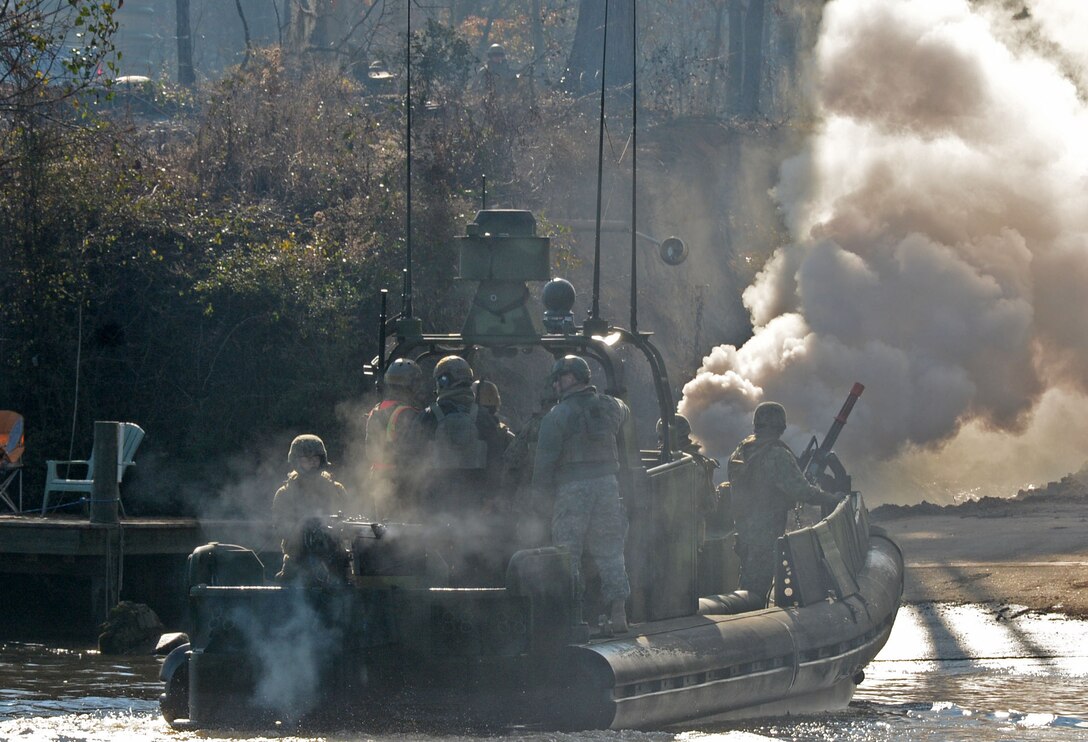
[400, 633]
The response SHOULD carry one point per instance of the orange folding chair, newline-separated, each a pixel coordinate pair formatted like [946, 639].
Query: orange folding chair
[12, 443]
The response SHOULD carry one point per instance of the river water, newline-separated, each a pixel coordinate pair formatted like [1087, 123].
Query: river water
[971, 672]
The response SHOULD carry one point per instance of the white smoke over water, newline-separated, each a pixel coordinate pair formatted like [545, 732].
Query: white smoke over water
[940, 254]
[291, 656]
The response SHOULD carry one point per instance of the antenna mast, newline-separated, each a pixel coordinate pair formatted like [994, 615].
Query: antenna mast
[634, 165]
[406, 297]
[595, 324]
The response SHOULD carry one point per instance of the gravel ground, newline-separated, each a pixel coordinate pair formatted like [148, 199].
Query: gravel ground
[1030, 550]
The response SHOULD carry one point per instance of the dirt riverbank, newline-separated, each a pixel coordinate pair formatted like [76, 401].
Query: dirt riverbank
[1029, 551]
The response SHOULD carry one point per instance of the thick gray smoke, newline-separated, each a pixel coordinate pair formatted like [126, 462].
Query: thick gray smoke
[940, 254]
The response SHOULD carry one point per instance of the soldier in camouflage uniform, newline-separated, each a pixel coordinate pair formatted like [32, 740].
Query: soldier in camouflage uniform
[464, 460]
[577, 460]
[466, 442]
[393, 440]
[496, 77]
[299, 508]
[765, 483]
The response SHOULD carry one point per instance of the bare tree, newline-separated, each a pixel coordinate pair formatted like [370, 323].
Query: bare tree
[745, 62]
[584, 63]
[186, 73]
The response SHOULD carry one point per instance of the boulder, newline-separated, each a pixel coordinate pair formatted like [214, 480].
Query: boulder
[131, 628]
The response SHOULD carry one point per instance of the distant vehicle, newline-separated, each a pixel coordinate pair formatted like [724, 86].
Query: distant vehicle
[390, 637]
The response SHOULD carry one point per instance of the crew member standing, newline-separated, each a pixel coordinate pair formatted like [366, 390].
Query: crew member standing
[464, 460]
[466, 442]
[392, 440]
[577, 461]
[765, 483]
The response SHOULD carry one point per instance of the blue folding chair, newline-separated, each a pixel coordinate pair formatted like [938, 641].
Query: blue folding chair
[12, 443]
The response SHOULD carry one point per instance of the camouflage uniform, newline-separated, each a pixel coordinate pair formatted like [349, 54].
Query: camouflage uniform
[577, 460]
[304, 497]
[765, 483]
[496, 77]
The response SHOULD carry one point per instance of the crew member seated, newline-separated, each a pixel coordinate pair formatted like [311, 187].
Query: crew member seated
[299, 509]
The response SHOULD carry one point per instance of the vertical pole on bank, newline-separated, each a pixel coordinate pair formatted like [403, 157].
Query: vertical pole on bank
[105, 494]
[105, 501]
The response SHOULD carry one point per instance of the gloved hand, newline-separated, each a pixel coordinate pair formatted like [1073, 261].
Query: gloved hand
[830, 501]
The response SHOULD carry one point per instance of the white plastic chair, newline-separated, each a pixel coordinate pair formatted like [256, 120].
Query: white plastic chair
[130, 435]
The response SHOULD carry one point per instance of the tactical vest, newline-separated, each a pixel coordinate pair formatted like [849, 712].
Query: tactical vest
[592, 431]
[457, 441]
[381, 431]
[744, 488]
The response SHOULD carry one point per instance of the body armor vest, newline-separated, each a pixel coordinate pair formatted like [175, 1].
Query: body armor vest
[593, 431]
[457, 441]
[745, 491]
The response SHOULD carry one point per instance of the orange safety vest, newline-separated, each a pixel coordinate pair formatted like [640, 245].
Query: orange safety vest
[379, 446]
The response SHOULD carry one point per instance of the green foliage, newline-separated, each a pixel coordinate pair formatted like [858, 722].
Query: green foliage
[442, 63]
[51, 50]
[214, 276]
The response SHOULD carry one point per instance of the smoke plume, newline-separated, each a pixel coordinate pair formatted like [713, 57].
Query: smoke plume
[939, 220]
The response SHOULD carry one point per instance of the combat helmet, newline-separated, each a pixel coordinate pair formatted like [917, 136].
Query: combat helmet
[576, 366]
[769, 417]
[404, 374]
[681, 430]
[307, 445]
[451, 372]
[487, 394]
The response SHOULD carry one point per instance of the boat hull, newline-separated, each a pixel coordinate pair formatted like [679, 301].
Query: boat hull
[704, 666]
[475, 656]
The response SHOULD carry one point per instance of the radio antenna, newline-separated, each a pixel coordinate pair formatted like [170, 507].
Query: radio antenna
[406, 296]
[634, 166]
[595, 324]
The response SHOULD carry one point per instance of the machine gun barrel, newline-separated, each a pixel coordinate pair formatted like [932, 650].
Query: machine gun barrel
[814, 459]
